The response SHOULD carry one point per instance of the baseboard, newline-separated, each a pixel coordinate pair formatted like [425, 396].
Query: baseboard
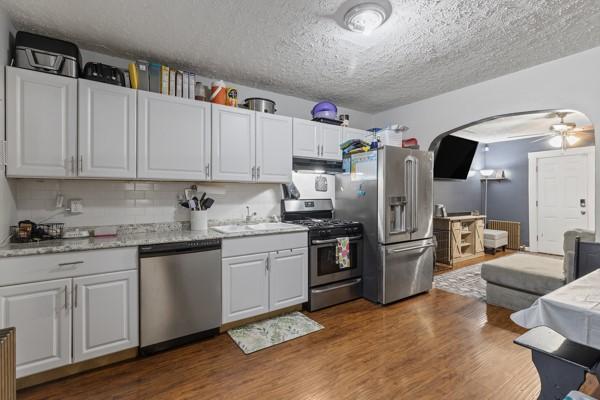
[72, 369]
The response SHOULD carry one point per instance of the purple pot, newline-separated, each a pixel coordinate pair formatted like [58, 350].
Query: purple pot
[324, 108]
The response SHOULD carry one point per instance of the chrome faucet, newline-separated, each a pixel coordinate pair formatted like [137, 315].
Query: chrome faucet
[248, 215]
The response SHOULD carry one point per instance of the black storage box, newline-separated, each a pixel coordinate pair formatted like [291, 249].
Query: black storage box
[41, 53]
[103, 73]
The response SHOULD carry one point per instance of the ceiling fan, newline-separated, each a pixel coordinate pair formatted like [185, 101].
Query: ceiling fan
[564, 134]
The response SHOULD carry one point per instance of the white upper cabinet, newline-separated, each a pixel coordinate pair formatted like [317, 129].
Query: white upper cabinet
[41, 314]
[288, 278]
[330, 142]
[105, 314]
[173, 137]
[353, 133]
[107, 130]
[307, 138]
[317, 140]
[233, 146]
[41, 124]
[273, 148]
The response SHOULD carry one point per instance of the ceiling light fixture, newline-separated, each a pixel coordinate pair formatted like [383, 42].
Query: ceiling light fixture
[572, 140]
[365, 18]
[556, 141]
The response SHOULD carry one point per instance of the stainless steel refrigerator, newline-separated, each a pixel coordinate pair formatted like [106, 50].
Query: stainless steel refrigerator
[390, 190]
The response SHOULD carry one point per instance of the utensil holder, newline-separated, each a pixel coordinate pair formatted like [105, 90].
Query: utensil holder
[199, 220]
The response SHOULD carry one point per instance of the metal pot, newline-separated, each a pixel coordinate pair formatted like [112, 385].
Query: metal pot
[440, 211]
[260, 104]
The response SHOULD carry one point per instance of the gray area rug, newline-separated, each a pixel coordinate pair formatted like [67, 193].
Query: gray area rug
[260, 335]
[464, 281]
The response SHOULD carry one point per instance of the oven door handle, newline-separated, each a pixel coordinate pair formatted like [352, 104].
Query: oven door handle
[343, 285]
[328, 241]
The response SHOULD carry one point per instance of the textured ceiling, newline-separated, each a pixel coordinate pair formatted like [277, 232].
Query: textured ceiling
[521, 127]
[295, 47]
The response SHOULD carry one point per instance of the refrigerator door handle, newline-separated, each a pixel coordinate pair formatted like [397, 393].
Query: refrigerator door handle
[401, 250]
[415, 196]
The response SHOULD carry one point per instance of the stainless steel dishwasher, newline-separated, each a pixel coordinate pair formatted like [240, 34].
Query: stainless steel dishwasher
[180, 293]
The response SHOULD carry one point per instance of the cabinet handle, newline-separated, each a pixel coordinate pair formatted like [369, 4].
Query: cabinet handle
[267, 264]
[75, 296]
[257, 173]
[66, 298]
[207, 170]
[80, 163]
[72, 165]
[253, 173]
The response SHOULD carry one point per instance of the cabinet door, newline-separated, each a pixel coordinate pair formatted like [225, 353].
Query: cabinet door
[173, 137]
[331, 140]
[456, 240]
[306, 138]
[105, 314]
[479, 244]
[273, 148]
[42, 315]
[288, 278]
[234, 142]
[107, 130]
[41, 124]
[245, 287]
[353, 133]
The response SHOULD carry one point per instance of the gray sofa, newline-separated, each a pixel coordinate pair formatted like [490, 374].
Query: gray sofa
[516, 281]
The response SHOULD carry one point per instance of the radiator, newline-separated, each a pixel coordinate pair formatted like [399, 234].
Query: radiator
[512, 227]
[8, 379]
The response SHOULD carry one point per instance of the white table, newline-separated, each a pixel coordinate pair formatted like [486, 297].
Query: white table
[572, 310]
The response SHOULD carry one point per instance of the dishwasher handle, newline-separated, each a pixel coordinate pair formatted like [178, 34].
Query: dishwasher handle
[194, 246]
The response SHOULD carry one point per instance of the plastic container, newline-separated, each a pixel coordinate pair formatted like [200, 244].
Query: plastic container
[218, 93]
[392, 135]
[199, 220]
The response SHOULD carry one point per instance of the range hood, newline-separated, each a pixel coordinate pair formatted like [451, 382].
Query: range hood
[316, 166]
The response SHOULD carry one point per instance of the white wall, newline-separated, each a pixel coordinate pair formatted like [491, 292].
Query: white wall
[119, 202]
[572, 82]
[286, 105]
[7, 198]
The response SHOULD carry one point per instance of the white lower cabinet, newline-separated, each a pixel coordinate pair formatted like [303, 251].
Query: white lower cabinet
[245, 286]
[269, 280]
[288, 278]
[89, 309]
[41, 314]
[105, 314]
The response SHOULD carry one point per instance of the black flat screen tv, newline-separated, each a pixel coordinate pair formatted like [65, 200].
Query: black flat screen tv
[453, 158]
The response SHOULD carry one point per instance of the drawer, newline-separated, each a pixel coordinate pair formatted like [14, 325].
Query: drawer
[263, 243]
[16, 270]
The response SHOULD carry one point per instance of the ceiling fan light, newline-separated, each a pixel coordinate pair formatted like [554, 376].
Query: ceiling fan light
[556, 142]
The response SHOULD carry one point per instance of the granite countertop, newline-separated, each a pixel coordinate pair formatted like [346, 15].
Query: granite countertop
[135, 237]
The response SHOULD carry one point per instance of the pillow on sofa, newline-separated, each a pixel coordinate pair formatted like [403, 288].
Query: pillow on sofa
[569, 249]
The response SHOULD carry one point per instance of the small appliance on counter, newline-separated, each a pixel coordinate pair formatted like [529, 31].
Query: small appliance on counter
[45, 54]
[103, 73]
[330, 280]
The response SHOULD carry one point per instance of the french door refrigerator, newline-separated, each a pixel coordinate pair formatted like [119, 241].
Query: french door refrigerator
[390, 190]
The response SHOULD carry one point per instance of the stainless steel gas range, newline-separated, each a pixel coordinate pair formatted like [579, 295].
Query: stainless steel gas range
[329, 282]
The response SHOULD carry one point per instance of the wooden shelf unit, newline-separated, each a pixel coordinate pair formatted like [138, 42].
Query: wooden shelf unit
[463, 237]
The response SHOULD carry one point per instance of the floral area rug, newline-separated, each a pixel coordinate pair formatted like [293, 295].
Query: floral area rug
[260, 335]
[464, 281]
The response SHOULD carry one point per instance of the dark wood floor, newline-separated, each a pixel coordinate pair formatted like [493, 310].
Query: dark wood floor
[433, 346]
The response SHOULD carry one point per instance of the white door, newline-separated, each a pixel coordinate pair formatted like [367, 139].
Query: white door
[353, 133]
[107, 130]
[245, 287]
[273, 148]
[173, 137]
[41, 313]
[565, 198]
[288, 278]
[331, 140]
[233, 144]
[307, 138]
[105, 314]
[41, 124]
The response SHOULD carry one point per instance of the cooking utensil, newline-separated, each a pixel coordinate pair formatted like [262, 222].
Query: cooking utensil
[202, 199]
[260, 104]
[207, 203]
[192, 204]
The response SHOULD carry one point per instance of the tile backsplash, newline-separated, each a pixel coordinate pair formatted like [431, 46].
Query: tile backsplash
[122, 202]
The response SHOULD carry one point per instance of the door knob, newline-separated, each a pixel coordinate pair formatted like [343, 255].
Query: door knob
[582, 202]
[582, 212]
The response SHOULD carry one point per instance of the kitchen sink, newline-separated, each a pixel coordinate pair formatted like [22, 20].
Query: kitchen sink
[251, 227]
